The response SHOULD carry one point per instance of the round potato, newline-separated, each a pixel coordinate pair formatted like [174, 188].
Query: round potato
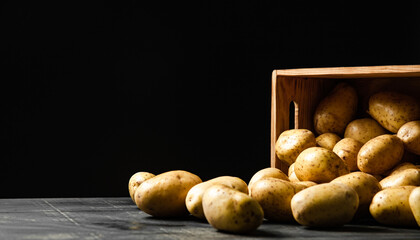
[409, 133]
[194, 198]
[325, 205]
[391, 207]
[292, 142]
[135, 181]
[319, 165]
[414, 201]
[364, 184]
[274, 196]
[363, 130]
[327, 140]
[407, 177]
[392, 109]
[336, 110]
[380, 154]
[229, 210]
[164, 195]
[347, 149]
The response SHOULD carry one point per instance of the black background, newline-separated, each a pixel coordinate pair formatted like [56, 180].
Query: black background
[93, 94]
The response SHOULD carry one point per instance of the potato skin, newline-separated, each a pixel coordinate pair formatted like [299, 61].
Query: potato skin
[292, 142]
[319, 165]
[407, 177]
[327, 140]
[194, 198]
[336, 110]
[364, 184]
[274, 196]
[392, 109]
[347, 149]
[414, 201]
[164, 195]
[325, 205]
[380, 154]
[391, 207]
[135, 180]
[363, 130]
[266, 173]
[409, 133]
[230, 210]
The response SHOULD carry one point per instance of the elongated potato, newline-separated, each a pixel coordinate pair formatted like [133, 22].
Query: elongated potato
[327, 140]
[409, 133]
[364, 129]
[229, 210]
[336, 110]
[414, 201]
[164, 195]
[319, 165]
[407, 177]
[400, 167]
[392, 109]
[347, 149]
[325, 205]
[194, 197]
[380, 154]
[135, 181]
[364, 184]
[391, 207]
[292, 142]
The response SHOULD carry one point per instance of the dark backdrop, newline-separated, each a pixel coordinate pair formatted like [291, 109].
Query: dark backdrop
[93, 94]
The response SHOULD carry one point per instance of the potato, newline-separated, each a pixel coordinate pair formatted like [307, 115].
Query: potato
[194, 197]
[336, 110]
[391, 207]
[319, 165]
[380, 154]
[164, 195]
[327, 140]
[409, 133]
[364, 129]
[410, 176]
[292, 142]
[229, 210]
[291, 173]
[400, 167]
[347, 149]
[325, 205]
[274, 196]
[135, 181]
[364, 184]
[414, 201]
[392, 109]
[268, 172]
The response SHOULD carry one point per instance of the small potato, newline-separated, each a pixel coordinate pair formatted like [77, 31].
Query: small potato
[291, 173]
[347, 149]
[391, 207]
[380, 154]
[274, 196]
[409, 133]
[327, 140]
[392, 109]
[292, 142]
[336, 110]
[364, 184]
[268, 172]
[364, 129]
[164, 195]
[135, 181]
[407, 177]
[229, 210]
[325, 205]
[319, 165]
[414, 201]
[194, 197]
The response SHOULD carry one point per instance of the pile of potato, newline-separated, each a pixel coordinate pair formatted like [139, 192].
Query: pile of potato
[352, 167]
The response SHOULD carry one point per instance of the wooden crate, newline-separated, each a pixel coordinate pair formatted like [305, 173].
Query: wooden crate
[300, 91]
